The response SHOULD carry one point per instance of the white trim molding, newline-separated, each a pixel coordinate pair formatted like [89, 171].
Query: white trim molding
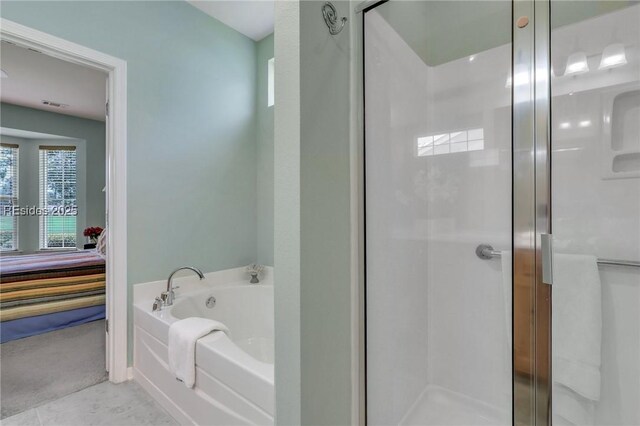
[116, 145]
[358, 305]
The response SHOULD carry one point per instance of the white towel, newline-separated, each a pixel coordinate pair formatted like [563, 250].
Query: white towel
[569, 408]
[183, 335]
[577, 324]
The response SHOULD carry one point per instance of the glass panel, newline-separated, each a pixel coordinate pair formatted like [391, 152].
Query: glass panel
[476, 134]
[425, 141]
[58, 179]
[441, 139]
[458, 147]
[476, 145]
[438, 316]
[8, 197]
[595, 53]
[271, 89]
[458, 137]
[441, 149]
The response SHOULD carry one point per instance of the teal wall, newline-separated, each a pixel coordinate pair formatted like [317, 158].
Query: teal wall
[313, 344]
[265, 156]
[91, 145]
[286, 225]
[325, 218]
[191, 127]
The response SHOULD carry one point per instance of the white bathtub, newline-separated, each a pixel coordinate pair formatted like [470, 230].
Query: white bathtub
[234, 373]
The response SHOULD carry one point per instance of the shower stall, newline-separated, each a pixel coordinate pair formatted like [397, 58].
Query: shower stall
[501, 212]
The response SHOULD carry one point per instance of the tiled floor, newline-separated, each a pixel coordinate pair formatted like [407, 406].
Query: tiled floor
[102, 404]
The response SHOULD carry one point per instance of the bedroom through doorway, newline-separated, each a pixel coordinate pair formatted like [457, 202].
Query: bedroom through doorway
[53, 203]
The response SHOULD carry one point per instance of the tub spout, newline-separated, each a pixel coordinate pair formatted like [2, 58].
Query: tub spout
[169, 295]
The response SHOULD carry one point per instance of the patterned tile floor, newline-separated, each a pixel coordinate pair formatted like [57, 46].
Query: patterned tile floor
[105, 404]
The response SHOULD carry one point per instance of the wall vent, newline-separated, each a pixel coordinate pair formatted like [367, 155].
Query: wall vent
[54, 104]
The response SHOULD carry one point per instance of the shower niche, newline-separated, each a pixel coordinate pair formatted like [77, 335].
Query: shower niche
[621, 129]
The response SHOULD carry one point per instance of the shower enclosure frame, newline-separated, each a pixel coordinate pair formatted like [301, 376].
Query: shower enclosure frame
[531, 210]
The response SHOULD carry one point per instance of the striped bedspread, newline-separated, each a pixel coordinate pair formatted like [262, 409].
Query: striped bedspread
[46, 283]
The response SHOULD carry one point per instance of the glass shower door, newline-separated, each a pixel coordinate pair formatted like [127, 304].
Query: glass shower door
[485, 167]
[438, 156]
[595, 53]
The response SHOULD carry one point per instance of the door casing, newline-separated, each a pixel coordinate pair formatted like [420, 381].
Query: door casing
[116, 189]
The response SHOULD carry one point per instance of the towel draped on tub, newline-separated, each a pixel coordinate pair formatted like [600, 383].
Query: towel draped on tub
[183, 336]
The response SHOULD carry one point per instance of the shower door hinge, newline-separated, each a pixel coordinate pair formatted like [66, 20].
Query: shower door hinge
[546, 248]
[106, 108]
[106, 326]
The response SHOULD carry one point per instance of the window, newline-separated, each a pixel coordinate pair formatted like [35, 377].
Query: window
[58, 198]
[271, 82]
[449, 143]
[8, 196]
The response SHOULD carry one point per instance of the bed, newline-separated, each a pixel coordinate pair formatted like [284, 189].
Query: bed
[49, 291]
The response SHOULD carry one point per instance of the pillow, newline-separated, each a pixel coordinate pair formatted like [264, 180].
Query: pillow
[101, 245]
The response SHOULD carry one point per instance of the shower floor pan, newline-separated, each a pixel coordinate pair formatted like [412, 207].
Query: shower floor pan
[442, 407]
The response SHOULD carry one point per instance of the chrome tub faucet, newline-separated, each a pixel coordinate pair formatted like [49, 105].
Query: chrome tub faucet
[166, 297]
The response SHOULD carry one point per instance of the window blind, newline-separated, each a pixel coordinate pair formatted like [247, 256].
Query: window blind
[58, 198]
[8, 196]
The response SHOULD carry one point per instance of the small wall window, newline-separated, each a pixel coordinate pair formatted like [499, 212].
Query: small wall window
[449, 143]
[270, 82]
[58, 196]
[8, 197]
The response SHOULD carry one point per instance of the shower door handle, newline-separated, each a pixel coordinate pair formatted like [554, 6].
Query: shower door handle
[546, 248]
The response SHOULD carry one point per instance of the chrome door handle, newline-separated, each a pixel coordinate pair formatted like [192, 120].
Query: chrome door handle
[546, 243]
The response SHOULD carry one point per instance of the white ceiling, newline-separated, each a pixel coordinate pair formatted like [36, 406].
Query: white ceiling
[253, 18]
[34, 77]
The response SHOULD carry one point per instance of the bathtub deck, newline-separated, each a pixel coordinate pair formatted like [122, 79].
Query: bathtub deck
[441, 407]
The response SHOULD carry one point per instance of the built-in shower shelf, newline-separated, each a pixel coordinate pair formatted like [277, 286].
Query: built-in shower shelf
[626, 163]
[625, 120]
[621, 131]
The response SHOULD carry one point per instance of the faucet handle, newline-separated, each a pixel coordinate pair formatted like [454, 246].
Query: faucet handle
[157, 304]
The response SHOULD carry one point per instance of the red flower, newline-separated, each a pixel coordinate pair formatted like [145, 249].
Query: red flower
[92, 232]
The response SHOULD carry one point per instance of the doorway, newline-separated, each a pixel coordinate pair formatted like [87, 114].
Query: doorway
[115, 188]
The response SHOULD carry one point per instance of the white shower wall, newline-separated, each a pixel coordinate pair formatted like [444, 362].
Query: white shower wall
[601, 217]
[397, 336]
[439, 311]
[592, 212]
[469, 204]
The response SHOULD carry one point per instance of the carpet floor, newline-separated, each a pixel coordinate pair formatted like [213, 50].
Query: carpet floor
[43, 368]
